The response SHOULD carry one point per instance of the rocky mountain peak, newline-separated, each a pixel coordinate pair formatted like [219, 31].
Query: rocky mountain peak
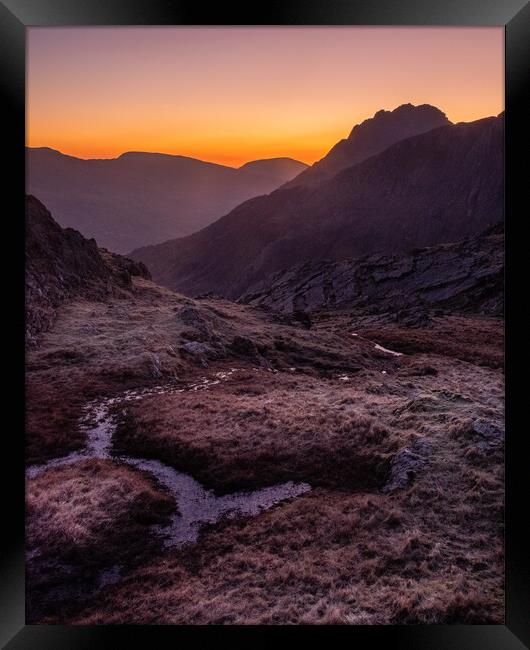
[370, 137]
[415, 117]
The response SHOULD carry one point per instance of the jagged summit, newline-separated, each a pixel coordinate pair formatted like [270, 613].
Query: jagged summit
[420, 116]
[435, 187]
[372, 136]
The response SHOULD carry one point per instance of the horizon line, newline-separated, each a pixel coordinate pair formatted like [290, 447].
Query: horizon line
[219, 164]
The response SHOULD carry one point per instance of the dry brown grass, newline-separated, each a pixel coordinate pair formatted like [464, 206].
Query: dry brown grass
[260, 429]
[431, 552]
[324, 558]
[80, 505]
[477, 340]
[100, 349]
[78, 516]
[52, 415]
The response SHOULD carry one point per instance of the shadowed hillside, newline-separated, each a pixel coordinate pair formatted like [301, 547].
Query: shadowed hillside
[436, 187]
[464, 277]
[61, 265]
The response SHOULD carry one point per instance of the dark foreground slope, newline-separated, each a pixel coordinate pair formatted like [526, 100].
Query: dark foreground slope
[371, 137]
[61, 265]
[464, 277]
[144, 198]
[436, 187]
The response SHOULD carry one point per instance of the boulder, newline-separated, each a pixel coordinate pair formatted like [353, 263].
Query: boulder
[406, 464]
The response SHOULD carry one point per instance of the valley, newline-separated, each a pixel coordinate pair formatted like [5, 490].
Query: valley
[142, 198]
[284, 458]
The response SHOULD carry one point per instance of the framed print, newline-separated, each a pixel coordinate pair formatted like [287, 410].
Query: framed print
[264, 360]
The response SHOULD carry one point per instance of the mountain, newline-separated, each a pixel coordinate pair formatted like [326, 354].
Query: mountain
[463, 277]
[435, 187]
[371, 137]
[277, 168]
[61, 264]
[143, 198]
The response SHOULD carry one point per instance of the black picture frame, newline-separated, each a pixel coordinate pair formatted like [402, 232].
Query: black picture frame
[15, 17]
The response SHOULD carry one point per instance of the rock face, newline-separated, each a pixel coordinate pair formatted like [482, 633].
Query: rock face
[62, 264]
[144, 198]
[371, 137]
[436, 187]
[465, 277]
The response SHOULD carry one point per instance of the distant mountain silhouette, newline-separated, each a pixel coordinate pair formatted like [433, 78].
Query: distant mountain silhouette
[274, 167]
[143, 198]
[371, 137]
[436, 187]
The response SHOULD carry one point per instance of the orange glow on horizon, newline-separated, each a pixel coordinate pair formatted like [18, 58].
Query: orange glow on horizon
[230, 95]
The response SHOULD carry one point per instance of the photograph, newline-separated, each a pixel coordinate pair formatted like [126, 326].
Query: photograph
[264, 325]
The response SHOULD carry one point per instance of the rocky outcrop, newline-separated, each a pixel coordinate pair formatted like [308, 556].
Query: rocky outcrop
[62, 264]
[432, 188]
[464, 277]
[371, 137]
[406, 464]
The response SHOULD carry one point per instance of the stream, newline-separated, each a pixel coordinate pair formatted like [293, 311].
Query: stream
[377, 346]
[196, 505]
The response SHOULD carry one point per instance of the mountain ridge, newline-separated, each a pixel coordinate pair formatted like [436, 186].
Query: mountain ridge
[140, 198]
[431, 188]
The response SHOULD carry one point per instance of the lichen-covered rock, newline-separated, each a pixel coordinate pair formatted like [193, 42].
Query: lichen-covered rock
[406, 464]
[155, 366]
[488, 430]
[199, 351]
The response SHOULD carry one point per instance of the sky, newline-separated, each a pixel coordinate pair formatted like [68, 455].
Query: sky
[230, 95]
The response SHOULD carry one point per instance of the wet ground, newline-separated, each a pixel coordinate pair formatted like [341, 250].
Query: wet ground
[196, 505]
